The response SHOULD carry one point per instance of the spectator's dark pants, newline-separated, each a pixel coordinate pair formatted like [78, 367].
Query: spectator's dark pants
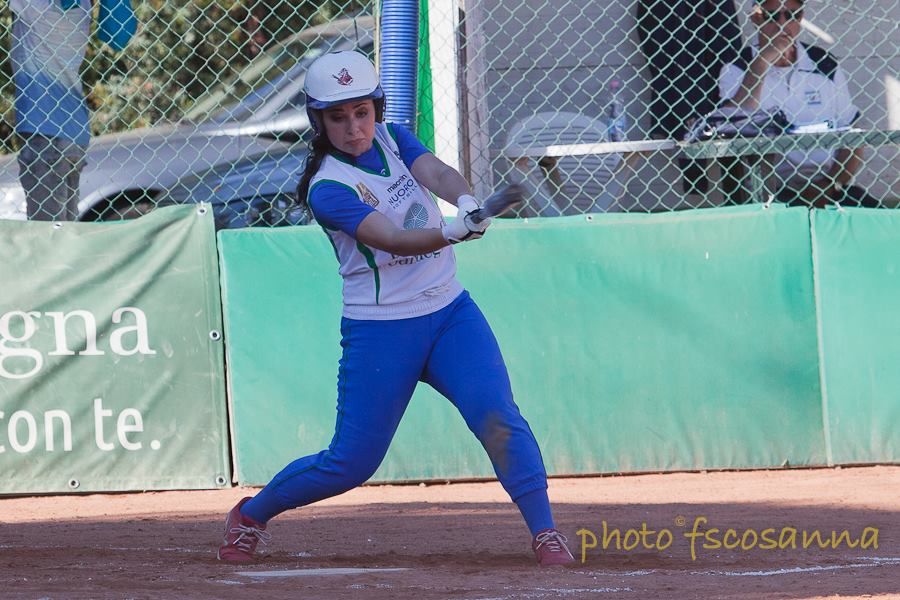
[734, 171]
[49, 170]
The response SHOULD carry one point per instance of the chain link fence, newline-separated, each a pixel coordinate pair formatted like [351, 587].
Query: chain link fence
[570, 73]
[587, 104]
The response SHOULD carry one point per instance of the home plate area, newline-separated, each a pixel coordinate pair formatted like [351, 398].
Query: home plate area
[793, 533]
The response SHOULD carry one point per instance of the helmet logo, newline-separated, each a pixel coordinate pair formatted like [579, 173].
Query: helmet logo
[343, 78]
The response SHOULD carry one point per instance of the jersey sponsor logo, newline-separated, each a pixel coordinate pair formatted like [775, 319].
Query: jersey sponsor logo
[416, 217]
[412, 260]
[343, 77]
[813, 97]
[394, 186]
[366, 194]
[400, 190]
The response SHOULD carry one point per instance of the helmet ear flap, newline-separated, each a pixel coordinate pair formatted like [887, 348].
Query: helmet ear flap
[315, 120]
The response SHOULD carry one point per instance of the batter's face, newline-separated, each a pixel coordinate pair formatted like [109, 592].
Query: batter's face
[776, 17]
[350, 127]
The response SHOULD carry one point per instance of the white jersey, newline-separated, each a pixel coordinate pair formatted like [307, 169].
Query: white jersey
[377, 284]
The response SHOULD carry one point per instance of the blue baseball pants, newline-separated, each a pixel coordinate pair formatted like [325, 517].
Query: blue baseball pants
[454, 351]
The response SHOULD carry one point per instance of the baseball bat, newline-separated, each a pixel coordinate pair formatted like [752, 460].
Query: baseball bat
[498, 202]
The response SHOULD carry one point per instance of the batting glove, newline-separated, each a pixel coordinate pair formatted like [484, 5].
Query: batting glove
[462, 228]
[467, 204]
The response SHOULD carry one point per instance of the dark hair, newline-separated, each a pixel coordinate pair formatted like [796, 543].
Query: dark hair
[318, 148]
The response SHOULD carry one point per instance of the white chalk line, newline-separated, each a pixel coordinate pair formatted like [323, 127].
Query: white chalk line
[870, 563]
[881, 559]
[538, 593]
[637, 573]
[131, 549]
[566, 591]
[310, 572]
[118, 548]
[555, 592]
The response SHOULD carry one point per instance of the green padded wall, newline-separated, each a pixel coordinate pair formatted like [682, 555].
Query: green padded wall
[111, 355]
[634, 342]
[282, 299]
[858, 284]
[672, 341]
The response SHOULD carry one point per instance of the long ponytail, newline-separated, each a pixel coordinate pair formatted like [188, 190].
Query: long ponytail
[318, 148]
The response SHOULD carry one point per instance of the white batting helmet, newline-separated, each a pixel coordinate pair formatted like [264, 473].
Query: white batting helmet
[340, 77]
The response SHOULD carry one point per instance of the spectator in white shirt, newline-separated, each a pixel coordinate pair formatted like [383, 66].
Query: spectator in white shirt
[805, 82]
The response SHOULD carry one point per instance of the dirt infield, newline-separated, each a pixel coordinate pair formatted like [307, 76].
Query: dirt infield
[467, 541]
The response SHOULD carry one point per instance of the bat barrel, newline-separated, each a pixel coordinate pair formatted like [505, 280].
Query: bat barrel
[498, 202]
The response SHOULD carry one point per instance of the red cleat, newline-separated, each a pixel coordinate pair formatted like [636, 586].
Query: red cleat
[242, 534]
[550, 548]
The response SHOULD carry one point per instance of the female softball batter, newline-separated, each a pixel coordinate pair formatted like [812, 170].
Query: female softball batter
[405, 319]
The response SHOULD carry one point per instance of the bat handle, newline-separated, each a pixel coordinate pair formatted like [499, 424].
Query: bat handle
[477, 216]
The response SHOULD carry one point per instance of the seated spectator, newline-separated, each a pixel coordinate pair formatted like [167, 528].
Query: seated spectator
[806, 83]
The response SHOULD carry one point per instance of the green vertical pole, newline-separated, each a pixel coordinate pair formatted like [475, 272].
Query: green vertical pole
[425, 113]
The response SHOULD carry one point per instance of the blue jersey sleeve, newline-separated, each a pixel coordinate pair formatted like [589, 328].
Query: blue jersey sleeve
[409, 145]
[337, 207]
